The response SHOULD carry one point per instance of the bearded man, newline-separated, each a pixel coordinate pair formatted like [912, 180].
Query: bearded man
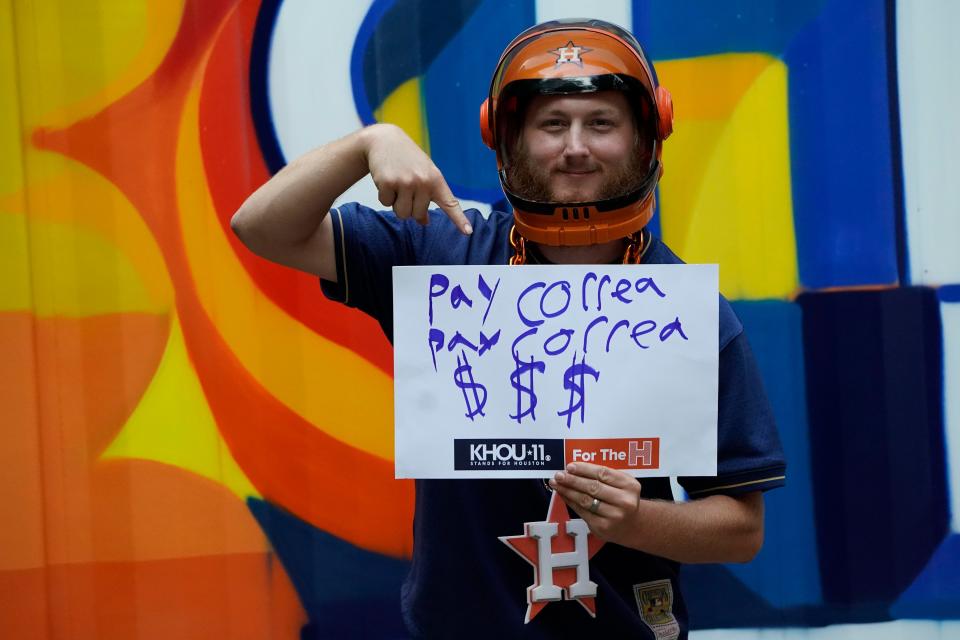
[578, 121]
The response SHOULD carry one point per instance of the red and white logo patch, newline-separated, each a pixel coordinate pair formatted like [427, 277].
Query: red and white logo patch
[559, 550]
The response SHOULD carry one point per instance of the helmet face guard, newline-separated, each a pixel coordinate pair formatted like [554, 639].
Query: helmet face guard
[566, 58]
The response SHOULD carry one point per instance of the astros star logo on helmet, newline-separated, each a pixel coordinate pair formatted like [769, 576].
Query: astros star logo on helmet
[569, 53]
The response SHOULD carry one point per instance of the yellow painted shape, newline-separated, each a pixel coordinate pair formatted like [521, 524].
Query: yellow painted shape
[706, 91]
[734, 205]
[77, 57]
[686, 158]
[15, 290]
[76, 273]
[173, 424]
[314, 377]
[11, 137]
[404, 108]
[710, 87]
[63, 60]
[78, 196]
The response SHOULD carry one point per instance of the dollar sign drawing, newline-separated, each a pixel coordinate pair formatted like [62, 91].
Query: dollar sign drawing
[577, 389]
[524, 368]
[463, 378]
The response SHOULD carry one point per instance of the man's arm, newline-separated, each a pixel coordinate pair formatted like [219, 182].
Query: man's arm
[286, 221]
[717, 528]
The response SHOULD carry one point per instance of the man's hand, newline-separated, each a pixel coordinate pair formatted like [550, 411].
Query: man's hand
[718, 528]
[286, 221]
[407, 179]
[615, 518]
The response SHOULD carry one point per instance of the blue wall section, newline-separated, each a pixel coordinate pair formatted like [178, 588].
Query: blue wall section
[346, 591]
[671, 30]
[785, 572]
[455, 85]
[859, 534]
[840, 139]
[404, 40]
[936, 591]
[716, 599]
[873, 369]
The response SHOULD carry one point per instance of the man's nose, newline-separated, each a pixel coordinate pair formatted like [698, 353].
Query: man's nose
[576, 144]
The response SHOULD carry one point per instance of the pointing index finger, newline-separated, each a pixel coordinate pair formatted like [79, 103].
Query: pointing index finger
[451, 206]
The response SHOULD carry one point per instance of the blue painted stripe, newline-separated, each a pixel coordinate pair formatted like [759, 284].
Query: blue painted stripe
[670, 30]
[936, 591]
[949, 293]
[875, 399]
[844, 202]
[896, 147]
[774, 330]
[398, 39]
[335, 578]
[260, 85]
[357, 56]
[455, 85]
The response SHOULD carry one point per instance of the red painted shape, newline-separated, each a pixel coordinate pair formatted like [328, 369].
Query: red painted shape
[235, 168]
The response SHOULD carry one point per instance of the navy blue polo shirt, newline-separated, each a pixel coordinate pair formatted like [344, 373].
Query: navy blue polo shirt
[463, 581]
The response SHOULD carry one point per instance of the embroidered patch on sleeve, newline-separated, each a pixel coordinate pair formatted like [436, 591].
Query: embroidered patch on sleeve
[655, 602]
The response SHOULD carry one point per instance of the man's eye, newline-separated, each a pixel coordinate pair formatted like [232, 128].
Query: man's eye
[553, 124]
[601, 123]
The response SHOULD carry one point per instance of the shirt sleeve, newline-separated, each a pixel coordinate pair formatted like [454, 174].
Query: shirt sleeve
[749, 455]
[367, 245]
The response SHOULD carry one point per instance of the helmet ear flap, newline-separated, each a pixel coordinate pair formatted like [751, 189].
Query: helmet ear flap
[485, 132]
[665, 109]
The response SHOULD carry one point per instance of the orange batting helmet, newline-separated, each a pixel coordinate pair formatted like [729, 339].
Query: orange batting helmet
[565, 57]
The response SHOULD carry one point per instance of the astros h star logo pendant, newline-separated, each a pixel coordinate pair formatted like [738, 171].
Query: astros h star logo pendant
[559, 550]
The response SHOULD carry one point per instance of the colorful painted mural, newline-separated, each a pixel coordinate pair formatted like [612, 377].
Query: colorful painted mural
[184, 422]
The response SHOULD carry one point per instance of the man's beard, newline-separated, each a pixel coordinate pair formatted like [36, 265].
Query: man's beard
[531, 181]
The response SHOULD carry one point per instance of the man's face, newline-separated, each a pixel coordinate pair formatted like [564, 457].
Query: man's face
[578, 148]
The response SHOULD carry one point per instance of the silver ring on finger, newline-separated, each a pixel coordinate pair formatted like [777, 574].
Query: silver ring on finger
[595, 506]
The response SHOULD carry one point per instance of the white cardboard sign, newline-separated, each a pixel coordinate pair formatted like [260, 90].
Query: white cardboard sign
[509, 372]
